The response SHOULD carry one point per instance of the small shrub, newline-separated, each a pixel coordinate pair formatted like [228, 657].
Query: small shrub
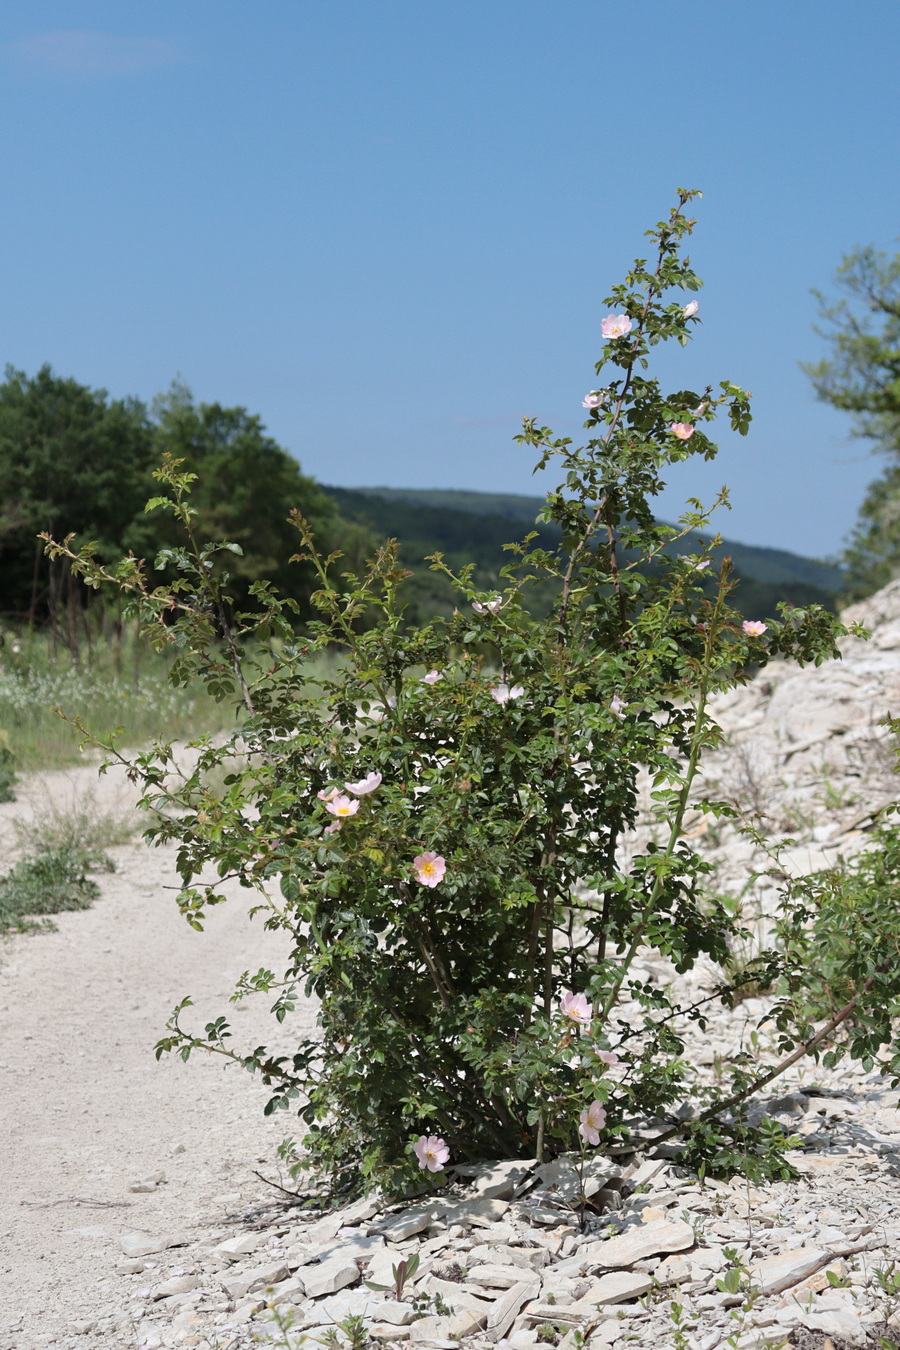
[445, 815]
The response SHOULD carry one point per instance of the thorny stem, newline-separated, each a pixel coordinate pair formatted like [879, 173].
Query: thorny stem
[806, 1048]
[607, 897]
[439, 974]
[677, 821]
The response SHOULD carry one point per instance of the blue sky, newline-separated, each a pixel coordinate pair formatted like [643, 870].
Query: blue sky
[387, 225]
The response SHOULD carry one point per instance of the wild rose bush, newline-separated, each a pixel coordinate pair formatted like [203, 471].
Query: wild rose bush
[438, 826]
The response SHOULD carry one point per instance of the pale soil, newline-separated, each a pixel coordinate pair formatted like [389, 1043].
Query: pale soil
[85, 1108]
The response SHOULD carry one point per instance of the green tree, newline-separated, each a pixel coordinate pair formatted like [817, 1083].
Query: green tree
[247, 486]
[71, 461]
[862, 377]
[74, 461]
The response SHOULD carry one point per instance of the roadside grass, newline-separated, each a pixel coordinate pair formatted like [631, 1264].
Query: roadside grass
[80, 826]
[110, 682]
[122, 683]
[60, 844]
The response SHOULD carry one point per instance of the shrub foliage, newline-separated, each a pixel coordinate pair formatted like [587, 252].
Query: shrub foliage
[445, 826]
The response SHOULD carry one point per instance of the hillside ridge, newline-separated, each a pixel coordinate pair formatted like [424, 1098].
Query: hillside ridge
[773, 566]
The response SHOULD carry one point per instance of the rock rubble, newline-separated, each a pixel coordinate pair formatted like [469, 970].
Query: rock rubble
[762, 1266]
[662, 1261]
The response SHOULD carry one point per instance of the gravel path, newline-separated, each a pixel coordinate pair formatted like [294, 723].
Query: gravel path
[86, 1110]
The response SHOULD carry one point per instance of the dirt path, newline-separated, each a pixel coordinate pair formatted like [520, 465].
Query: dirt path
[85, 1109]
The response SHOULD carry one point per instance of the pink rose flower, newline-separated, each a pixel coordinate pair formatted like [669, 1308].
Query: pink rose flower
[502, 692]
[327, 795]
[753, 627]
[595, 399]
[617, 707]
[431, 1152]
[332, 828]
[608, 1057]
[342, 806]
[429, 868]
[432, 677]
[691, 308]
[683, 430]
[367, 784]
[488, 606]
[575, 1007]
[592, 1121]
[615, 326]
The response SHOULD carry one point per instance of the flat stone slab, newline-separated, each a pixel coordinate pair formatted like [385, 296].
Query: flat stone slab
[617, 1287]
[236, 1247]
[399, 1227]
[328, 1277]
[497, 1180]
[505, 1310]
[568, 1314]
[389, 1311]
[356, 1248]
[660, 1238]
[494, 1276]
[142, 1244]
[482, 1210]
[446, 1329]
[257, 1277]
[781, 1272]
[177, 1284]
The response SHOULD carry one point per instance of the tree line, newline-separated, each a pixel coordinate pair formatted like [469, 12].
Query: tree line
[75, 461]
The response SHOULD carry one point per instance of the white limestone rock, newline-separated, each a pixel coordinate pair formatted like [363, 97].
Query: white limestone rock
[617, 1287]
[177, 1284]
[390, 1311]
[446, 1329]
[497, 1180]
[142, 1244]
[243, 1282]
[243, 1245]
[494, 1276]
[409, 1222]
[505, 1309]
[775, 1273]
[661, 1238]
[329, 1277]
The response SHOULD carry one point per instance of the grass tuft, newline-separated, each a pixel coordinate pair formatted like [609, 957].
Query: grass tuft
[84, 828]
[49, 883]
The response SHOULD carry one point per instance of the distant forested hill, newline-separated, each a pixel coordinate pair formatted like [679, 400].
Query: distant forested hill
[474, 526]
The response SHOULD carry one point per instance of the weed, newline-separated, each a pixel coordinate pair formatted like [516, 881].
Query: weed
[48, 883]
[7, 769]
[403, 1271]
[426, 1304]
[887, 1280]
[736, 1281]
[837, 1281]
[548, 1334]
[354, 1328]
[681, 1327]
